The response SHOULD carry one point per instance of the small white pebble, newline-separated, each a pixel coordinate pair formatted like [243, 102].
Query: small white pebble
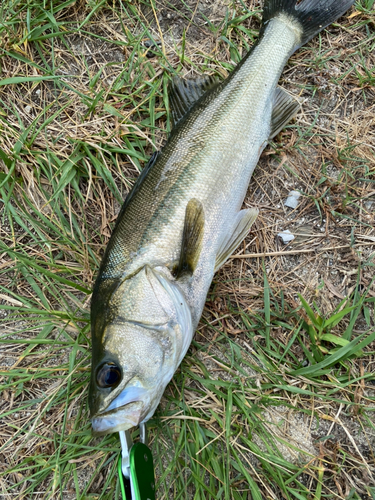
[27, 109]
[286, 236]
[38, 92]
[292, 200]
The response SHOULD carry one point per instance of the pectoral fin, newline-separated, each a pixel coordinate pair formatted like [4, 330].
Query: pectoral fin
[284, 109]
[191, 238]
[242, 225]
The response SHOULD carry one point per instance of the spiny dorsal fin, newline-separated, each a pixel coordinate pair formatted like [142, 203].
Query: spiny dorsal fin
[183, 94]
[242, 224]
[285, 107]
[192, 237]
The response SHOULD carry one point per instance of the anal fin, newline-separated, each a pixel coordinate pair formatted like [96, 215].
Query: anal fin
[192, 237]
[285, 107]
[242, 224]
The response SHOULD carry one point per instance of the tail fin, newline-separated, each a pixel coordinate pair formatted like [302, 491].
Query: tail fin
[312, 15]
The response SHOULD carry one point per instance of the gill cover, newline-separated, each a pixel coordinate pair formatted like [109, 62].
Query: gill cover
[147, 336]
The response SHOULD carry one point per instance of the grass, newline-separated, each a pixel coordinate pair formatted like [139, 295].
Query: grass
[275, 398]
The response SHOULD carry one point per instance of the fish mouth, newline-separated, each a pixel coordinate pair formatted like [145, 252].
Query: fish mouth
[120, 419]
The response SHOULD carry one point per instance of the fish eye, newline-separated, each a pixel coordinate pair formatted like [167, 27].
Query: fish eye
[109, 375]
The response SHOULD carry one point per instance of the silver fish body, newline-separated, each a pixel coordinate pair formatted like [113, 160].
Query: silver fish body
[146, 305]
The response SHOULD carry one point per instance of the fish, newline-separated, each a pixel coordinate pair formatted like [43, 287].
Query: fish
[183, 219]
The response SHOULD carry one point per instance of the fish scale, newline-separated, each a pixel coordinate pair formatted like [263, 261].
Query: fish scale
[187, 169]
[182, 219]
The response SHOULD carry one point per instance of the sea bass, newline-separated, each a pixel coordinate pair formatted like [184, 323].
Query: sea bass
[183, 218]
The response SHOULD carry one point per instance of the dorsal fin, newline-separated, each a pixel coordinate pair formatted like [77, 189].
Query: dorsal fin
[183, 94]
[192, 237]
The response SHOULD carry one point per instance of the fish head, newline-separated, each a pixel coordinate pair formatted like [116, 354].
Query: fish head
[138, 342]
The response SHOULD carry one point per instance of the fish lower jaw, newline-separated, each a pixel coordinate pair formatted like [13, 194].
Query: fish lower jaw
[121, 419]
